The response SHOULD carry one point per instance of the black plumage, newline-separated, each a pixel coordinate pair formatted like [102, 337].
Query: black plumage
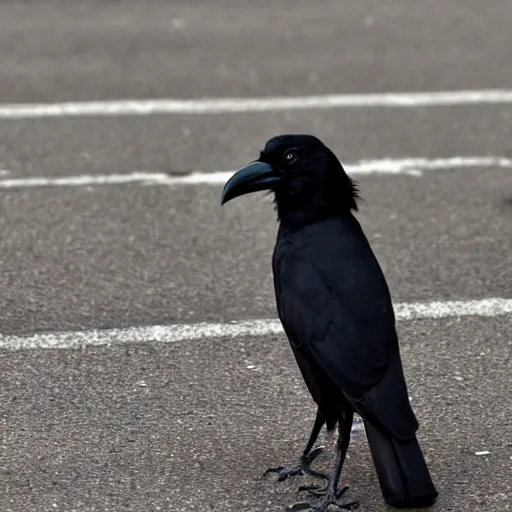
[335, 307]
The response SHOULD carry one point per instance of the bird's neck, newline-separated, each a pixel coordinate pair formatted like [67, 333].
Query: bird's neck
[294, 220]
[293, 216]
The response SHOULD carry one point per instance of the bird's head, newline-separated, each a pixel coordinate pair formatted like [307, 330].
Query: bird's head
[307, 179]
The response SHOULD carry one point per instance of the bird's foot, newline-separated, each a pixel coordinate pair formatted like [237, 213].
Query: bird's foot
[302, 468]
[328, 496]
[316, 490]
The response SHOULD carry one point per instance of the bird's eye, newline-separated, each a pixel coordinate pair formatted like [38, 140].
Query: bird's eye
[290, 156]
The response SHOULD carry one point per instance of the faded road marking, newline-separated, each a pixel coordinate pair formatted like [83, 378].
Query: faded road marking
[186, 332]
[410, 166]
[142, 107]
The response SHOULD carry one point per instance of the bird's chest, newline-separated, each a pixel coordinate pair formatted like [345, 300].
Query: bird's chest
[301, 299]
[278, 258]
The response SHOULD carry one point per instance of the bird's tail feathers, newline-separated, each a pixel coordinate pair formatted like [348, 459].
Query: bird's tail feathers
[401, 469]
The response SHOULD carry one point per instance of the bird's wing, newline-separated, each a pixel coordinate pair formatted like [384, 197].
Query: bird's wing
[365, 365]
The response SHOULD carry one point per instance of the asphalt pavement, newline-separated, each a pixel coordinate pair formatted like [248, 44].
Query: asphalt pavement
[192, 425]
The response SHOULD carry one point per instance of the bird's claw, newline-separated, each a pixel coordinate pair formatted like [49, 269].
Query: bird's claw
[301, 469]
[330, 497]
[314, 490]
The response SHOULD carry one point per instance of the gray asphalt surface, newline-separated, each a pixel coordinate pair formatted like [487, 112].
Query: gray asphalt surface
[148, 427]
[57, 50]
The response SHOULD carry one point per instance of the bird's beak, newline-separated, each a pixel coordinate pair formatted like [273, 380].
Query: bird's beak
[251, 178]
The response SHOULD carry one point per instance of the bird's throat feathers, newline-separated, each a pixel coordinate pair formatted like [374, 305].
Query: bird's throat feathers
[315, 201]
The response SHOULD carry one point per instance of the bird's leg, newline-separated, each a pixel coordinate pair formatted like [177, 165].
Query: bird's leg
[306, 459]
[330, 495]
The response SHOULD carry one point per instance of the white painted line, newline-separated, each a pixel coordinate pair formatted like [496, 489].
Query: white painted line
[410, 166]
[84, 180]
[187, 332]
[415, 166]
[140, 107]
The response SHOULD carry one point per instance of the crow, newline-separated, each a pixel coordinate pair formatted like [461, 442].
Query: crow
[335, 307]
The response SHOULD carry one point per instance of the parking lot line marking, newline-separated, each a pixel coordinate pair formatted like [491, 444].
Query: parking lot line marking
[410, 166]
[186, 332]
[143, 107]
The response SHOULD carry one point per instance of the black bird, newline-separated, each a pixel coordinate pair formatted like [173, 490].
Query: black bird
[335, 307]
